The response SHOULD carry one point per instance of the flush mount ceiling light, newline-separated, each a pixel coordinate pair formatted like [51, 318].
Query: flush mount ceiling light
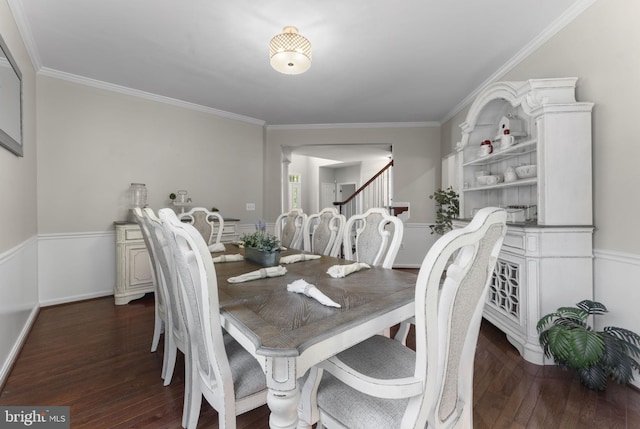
[290, 52]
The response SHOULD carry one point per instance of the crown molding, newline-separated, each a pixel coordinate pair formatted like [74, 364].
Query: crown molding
[25, 32]
[567, 17]
[44, 71]
[354, 125]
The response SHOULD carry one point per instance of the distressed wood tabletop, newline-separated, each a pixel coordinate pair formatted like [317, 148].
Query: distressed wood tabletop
[286, 323]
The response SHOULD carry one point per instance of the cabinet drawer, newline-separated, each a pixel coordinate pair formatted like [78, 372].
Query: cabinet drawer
[133, 234]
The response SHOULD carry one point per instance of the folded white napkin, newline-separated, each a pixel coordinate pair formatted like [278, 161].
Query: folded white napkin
[259, 274]
[339, 271]
[297, 258]
[228, 258]
[217, 247]
[301, 286]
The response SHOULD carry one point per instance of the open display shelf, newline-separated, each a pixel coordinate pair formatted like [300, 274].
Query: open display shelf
[546, 261]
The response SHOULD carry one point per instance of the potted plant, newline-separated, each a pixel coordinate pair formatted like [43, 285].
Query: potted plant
[262, 248]
[596, 355]
[447, 208]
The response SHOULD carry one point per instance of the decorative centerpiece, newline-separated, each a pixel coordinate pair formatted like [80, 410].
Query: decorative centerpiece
[262, 248]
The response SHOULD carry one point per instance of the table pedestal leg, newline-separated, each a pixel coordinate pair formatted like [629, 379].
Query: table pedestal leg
[283, 407]
[284, 395]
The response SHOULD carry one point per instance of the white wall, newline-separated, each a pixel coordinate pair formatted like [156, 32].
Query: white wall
[18, 217]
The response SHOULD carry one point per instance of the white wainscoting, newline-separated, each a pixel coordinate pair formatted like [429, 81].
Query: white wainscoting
[76, 266]
[617, 286]
[19, 300]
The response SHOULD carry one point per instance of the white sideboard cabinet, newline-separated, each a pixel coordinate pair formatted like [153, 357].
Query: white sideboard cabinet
[547, 257]
[133, 266]
[230, 232]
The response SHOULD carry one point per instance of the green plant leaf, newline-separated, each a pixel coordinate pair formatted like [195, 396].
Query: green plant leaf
[627, 336]
[587, 347]
[545, 320]
[559, 342]
[614, 351]
[579, 348]
[573, 313]
[261, 240]
[592, 307]
[593, 377]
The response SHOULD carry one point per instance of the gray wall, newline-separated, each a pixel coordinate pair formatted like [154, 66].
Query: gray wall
[93, 143]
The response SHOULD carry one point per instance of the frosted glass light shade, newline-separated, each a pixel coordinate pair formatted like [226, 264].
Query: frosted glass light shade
[290, 53]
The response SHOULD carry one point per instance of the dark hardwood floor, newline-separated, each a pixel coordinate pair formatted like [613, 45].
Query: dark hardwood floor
[95, 357]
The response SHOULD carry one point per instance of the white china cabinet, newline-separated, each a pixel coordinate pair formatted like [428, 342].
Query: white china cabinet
[546, 260]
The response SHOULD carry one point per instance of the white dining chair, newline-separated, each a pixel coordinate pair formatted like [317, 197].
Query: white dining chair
[288, 228]
[175, 336]
[209, 224]
[160, 303]
[379, 383]
[229, 377]
[176, 329]
[373, 237]
[323, 232]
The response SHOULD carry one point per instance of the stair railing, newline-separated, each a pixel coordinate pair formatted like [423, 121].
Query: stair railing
[376, 192]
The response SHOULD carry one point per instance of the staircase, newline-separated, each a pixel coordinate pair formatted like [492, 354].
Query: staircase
[376, 192]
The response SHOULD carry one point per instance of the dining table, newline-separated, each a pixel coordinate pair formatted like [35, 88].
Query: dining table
[288, 333]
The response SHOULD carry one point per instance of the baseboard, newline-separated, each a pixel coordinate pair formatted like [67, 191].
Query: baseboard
[73, 298]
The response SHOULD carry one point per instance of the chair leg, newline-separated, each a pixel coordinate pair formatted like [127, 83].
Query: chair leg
[170, 355]
[402, 333]
[157, 331]
[308, 405]
[188, 393]
[165, 358]
[195, 399]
